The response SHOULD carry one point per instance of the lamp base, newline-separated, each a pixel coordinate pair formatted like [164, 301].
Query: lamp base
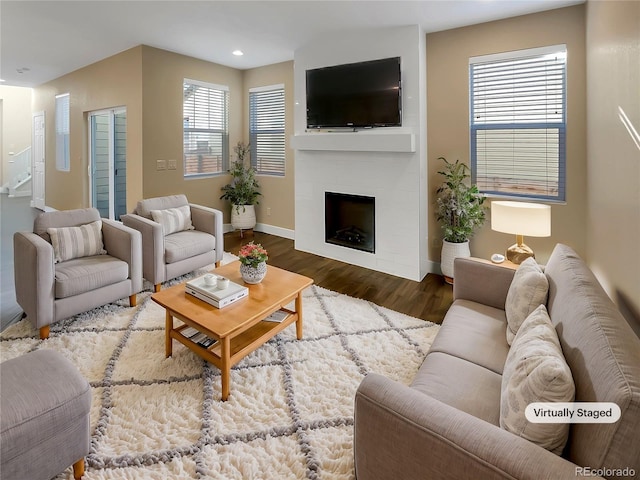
[518, 253]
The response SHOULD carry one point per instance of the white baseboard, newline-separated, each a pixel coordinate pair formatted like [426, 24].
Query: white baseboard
[265, 228]
[278, 231]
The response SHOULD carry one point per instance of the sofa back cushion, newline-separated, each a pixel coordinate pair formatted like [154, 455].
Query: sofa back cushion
[535, 371]
[604, 356]
[63, 218]
[144, 207]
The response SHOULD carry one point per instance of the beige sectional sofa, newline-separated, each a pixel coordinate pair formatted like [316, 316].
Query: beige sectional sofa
[446, 425]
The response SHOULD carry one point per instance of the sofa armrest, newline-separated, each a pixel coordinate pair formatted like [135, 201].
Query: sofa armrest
[34, 274]
[400, 432]
[481, 282]
[125, 243]
[209, 220]
[153, 268]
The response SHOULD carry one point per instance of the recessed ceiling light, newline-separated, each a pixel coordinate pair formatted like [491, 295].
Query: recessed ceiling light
[238, 53]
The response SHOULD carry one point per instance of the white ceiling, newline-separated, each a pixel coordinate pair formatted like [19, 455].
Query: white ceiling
[47, 39]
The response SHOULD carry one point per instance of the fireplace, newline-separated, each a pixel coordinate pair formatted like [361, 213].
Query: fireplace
[349, 221]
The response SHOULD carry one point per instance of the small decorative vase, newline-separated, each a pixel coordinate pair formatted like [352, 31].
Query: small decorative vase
[253, 275]
[451, 251]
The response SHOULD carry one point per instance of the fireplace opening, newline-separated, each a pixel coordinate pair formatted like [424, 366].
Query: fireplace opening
[349, 221]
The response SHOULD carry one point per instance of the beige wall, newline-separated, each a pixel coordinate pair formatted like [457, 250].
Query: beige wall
[448, 117]
[163, 74]
[114, 82]
[613, 200]
[15, 125]
[277, 192]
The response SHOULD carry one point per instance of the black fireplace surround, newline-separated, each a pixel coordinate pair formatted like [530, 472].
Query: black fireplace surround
[349, 221]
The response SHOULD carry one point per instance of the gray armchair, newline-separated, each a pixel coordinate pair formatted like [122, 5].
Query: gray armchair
[175, 247]
[51, 287]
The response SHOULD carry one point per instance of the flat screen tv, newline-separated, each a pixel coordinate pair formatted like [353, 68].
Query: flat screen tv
[355, 95]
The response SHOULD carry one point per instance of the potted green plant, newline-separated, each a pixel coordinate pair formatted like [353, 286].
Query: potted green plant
[243, 191]
[460, 209]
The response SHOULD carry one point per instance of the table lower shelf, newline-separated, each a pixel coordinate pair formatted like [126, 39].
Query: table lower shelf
[240, 345]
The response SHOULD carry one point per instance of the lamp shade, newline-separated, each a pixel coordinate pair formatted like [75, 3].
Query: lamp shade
[521, 218]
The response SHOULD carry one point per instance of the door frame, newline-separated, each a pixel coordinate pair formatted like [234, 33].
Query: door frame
[112, 112]
[36, 200]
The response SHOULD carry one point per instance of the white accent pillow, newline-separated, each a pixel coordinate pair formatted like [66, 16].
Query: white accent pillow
[173, 219]
[536, 371]
[528, 289]
[77, 242]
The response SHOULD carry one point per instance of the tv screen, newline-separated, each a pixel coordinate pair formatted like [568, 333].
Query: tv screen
[356, 95]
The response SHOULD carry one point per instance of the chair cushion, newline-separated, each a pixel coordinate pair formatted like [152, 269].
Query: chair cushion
[42, 396]
[482, 342]
[85, 274]
[528, 289]
[187, 244]
[144, 207]
[536, 371]
[173, 219]
[460, 384]
[77, 242]
[63, 218]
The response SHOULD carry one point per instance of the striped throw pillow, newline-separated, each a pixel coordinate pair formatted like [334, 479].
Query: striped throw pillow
[76, 242]
[173, 219]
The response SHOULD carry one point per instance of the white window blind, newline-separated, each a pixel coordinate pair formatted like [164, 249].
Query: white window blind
[518, 123]
[205, 127]
[63, 156]
[266, 129]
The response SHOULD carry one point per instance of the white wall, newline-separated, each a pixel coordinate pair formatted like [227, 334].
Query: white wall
[15, 103]
[334, 161]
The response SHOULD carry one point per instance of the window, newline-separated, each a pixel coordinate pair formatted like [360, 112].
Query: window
[63, 157]
[518, 123]
[266, 129]
[206, 128]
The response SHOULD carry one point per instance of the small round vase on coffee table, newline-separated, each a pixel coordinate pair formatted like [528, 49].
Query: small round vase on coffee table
[253, 275]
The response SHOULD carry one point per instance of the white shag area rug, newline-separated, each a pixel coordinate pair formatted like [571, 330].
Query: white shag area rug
[290, 411]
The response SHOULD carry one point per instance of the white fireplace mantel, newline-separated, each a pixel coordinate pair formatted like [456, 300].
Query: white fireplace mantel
[359, 141]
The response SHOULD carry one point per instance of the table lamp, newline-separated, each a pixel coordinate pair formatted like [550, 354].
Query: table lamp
[521, 218]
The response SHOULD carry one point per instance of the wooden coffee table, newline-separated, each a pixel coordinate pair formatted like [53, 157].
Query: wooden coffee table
[239, 327]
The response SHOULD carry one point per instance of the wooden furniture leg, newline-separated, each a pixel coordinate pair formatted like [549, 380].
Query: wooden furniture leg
[299, 312]
[226, 367]
[44, 332]
[168, 339]
[218, 264]
[156, 287]
[78, 469]
[133, 300]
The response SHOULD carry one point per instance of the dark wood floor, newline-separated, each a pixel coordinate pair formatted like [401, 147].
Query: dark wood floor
[429, 299]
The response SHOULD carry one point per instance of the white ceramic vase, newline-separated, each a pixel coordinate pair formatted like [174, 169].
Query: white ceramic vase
[451, 251]
[253, 275]
[243, 217]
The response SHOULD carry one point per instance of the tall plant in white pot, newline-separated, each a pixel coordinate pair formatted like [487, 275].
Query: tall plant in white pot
[243, 191]
[460, 211]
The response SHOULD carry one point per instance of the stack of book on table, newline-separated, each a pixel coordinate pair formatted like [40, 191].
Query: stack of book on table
[198, 337]
[216, 296]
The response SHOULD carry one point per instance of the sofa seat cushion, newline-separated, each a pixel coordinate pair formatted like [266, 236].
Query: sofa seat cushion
[474, 332]
[460, 384]
[181, 245]
[80, 275]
